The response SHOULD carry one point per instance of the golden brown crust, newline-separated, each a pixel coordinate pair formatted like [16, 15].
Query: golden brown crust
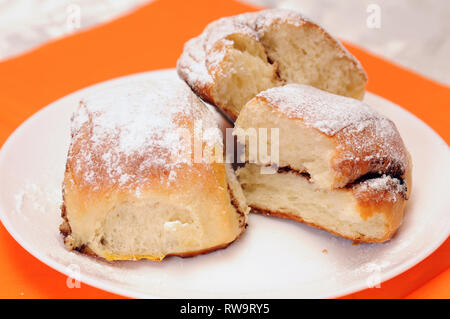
[390, 201]
[371, 152]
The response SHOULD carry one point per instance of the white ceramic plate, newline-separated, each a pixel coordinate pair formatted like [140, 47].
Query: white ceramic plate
[274, 258]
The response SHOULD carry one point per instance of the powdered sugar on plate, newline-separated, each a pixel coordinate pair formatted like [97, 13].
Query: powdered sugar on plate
[36, 197]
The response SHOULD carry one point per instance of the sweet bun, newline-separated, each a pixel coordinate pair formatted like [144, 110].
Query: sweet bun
[237, 57]
[341, 165]
[133, 188]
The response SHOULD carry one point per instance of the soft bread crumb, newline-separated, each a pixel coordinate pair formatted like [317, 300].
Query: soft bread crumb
[290, 195]
[237, 57]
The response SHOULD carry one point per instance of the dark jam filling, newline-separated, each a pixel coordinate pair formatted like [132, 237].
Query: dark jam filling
[288, 169]
[365, 177]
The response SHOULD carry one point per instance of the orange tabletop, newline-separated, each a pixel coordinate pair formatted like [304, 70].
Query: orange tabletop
[152, 38]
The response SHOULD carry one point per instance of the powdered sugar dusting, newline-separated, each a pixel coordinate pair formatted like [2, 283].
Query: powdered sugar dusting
[383, 183]
[121, 133]
[192, 64]
[36, 197]
[324, 111]
[222, 28]
[386, 187]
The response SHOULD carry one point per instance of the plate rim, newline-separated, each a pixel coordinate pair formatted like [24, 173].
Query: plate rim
[124, 292]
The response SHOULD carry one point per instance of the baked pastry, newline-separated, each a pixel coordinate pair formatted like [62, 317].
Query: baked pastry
[133, 187]
[341, 166]
[237, 57]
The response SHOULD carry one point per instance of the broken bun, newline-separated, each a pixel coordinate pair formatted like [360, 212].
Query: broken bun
[341, 166]
[237, 57]
[132, 188]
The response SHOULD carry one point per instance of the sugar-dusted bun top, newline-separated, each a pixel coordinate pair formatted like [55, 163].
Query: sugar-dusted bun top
[138, 134]
[329, 113]
[366, 141]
